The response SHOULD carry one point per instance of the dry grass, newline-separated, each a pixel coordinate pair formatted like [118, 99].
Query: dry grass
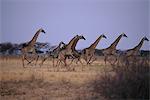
[42, 83]
[95, 82]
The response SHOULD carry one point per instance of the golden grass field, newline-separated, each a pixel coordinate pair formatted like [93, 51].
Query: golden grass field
[43, 83]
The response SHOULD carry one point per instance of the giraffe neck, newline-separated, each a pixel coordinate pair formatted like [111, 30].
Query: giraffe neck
[32, 42]
[58, 47]
[93, 46]
[114, 44]
[69, 45]
[138, 47]
[75, 43]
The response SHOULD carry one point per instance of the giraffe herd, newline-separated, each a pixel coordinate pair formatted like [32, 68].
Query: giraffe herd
[65, 52]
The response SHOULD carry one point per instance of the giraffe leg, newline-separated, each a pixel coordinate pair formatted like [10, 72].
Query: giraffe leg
[79, 60]
[42, 62]
[71, 63]
[44, 59]
[85, 58]
[60, 59]
[23, 60]
[36, 60]
[72, 59]
[91, 58]
[57, 64]
[29, 62]
[54, 63]
[62, 63]
[94, 59]
[67, 65]
[88, 62]
[65, 62]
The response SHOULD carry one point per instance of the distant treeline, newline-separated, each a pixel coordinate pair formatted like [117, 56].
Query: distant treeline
[14, 49]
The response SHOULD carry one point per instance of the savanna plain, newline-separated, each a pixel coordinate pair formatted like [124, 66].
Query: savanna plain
[85, 82]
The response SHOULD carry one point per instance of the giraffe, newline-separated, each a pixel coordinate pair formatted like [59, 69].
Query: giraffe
[54, 53]
[64, 54]
[66, 51]
[134, 52]
[111, 50]
[30, 46]
[38, 52]
[76, 54]
[88, 53]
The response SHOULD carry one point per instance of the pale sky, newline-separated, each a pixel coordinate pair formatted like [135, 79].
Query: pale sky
[63, 19]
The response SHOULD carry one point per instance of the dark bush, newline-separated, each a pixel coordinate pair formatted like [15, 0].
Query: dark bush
[5, 46]
[124, 82]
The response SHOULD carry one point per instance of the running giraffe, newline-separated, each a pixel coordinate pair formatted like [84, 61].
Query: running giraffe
[30, 46]
[111, 50]
[76, 54]
[134, 52]
[54, 53]
[88, 53]
[69, 52]
[66, 51]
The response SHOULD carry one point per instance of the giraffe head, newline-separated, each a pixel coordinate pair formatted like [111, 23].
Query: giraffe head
[145, 38]
[42, 30]
[76, 36]
[81, 37]
[124, 35]
[62, 44]
[103, 36]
